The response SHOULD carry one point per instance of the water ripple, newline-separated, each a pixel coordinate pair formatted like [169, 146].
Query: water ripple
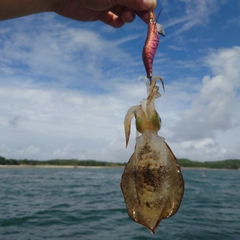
[88, 204]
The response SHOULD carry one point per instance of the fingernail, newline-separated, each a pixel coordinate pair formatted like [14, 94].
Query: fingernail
[131, 19]
[149, 4]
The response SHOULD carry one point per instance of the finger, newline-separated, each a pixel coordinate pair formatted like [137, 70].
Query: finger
[139, 5]
[117, 10]
[117, 16]
[112, 19]
[128, 16]
[144, 16]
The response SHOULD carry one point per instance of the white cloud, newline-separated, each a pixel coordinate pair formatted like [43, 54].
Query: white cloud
[213, 113]
[30, 152]
[47, 71]
[200, 121]
[49, 50]
[62, 123]
[196, 13]
[65, 91]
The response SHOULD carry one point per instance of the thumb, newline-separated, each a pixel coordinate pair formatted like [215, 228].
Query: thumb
[138, 5]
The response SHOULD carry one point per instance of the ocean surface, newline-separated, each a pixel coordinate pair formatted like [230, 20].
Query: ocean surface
[79, 204]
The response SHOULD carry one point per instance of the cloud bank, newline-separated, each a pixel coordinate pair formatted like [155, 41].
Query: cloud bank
[65, 90]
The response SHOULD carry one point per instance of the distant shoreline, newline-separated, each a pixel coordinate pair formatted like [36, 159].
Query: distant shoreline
[75, 163]
[55, 166]
[97, 167]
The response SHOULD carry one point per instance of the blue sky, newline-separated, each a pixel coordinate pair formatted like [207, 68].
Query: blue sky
[65, 86]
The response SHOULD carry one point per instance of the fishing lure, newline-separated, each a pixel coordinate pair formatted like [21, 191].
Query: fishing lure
[152, 183]
[151, 43]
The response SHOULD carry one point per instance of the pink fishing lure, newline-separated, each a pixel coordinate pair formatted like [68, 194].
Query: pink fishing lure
[151, 43]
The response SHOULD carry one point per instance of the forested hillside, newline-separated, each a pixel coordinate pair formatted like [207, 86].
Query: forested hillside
[225, 164]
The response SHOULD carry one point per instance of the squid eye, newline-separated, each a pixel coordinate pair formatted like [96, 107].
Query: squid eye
[139, 124]
[156, 121]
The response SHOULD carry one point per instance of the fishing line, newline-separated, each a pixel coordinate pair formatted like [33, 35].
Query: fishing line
[188, 54]
[194, 65]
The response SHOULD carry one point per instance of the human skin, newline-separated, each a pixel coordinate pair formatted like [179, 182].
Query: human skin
[112, 12]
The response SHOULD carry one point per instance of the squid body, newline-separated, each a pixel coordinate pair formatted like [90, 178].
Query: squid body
[152, 183]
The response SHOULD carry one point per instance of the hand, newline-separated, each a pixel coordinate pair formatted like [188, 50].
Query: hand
[111, 12]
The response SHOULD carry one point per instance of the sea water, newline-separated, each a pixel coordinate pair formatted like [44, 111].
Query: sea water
[83, 203]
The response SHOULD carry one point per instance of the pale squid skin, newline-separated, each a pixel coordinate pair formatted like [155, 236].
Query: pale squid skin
[152, 183]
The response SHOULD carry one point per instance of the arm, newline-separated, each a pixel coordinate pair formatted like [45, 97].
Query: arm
[19, 8]
[111, 12]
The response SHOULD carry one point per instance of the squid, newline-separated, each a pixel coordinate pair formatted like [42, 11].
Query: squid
[152, 183]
